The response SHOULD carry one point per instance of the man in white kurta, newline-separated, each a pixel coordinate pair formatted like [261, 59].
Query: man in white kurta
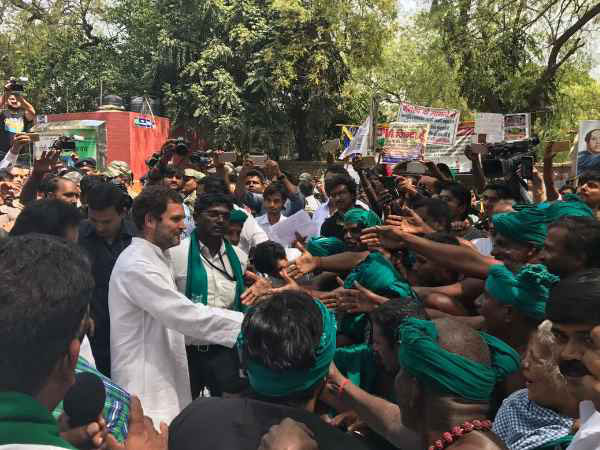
[150, 317]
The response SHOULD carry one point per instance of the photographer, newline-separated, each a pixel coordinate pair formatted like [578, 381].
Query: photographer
[16, 116]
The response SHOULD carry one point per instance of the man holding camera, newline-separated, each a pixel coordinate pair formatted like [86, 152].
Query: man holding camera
[16, 116]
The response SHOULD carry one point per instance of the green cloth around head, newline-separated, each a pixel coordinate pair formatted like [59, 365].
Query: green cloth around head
[526, 226]
[379, 275]
[237, 216]
[420, 355]
[325, 246]
[527, 290]
[529, 223]
[362, 217]
[571, 206]
[281, 383]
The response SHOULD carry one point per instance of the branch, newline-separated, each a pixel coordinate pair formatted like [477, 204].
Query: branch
[551, 67]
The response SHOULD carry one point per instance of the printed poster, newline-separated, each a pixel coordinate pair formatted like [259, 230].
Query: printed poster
[516, 127]
[454, 155]
[490, 124]
[588, 147]
[405, 142]
[443, 123]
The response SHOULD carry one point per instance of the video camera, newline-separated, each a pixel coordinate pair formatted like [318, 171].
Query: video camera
[17, 86]
[506, 159]
[66, 143]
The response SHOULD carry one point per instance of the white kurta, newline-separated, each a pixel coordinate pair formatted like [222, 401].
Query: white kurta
[588, 435]
[148, 321]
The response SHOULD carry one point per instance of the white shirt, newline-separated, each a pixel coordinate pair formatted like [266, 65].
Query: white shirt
[252, 234]
[323, 212]
[220, 289]
[588, 435]
[148, 320]
[263, 222]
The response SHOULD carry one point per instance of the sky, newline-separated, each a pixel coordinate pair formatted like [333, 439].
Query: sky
[407, 8]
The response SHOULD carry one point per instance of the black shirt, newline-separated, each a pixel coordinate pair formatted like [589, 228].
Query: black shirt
[239, 423]
[103, 256]
[12, 122]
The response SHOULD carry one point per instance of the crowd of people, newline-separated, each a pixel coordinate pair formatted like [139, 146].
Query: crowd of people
[426, 312]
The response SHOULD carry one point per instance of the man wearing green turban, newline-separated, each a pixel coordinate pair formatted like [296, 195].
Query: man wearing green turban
[448, 374]
[515, 304]
[287, 343]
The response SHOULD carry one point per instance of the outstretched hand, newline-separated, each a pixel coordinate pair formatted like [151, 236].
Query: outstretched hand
[259, 288]
[387, 236]
[305, 263]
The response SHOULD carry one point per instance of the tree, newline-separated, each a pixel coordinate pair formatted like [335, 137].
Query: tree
[509, 53]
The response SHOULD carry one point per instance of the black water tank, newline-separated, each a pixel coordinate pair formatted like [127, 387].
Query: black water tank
[112, 100]
[138, 104]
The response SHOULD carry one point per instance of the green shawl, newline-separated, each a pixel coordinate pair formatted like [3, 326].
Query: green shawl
[196, 288]
[24, 421]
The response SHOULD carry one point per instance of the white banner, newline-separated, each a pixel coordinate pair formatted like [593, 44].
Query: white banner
[360, 141]
[443, 123]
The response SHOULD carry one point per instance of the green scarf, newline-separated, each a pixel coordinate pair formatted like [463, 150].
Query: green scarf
[357, 363]
[421, 356]
[24, 421]
[526, 226]
[325, 246]
[527, 290]
[362, 217]
[281, 383]
[196, 286]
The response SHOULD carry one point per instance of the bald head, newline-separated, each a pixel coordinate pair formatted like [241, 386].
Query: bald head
[456, 337]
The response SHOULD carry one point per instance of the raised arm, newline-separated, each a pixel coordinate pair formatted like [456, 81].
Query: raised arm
[455, 257]
[548, 172]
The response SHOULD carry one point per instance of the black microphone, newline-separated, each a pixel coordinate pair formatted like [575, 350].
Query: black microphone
[84, 401]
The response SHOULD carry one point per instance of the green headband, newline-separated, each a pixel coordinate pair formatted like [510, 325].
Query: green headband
[422, 357]
[527, 291]
[362, 217]
[281, 383]
[325, 246]
[237, 216]
[527, 225]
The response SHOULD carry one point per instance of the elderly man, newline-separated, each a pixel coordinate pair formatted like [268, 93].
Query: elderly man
[448, 373]
[574, 309]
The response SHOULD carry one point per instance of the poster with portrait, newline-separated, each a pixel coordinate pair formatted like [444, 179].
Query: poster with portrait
[588, 148]
[405, 142]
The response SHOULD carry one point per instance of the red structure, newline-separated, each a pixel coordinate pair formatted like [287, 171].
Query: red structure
[126, 139]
